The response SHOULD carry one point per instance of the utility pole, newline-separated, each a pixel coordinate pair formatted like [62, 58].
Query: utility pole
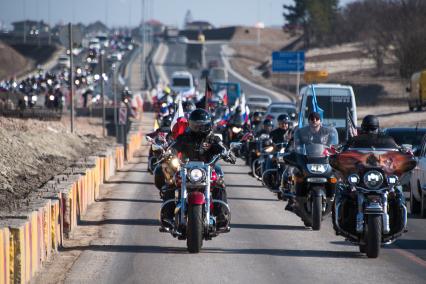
[71, 76]
[114, 86]
[50, 25]
[103, 93]
[143, 44]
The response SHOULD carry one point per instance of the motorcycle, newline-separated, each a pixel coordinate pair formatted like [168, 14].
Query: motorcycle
[157, 149]
[264, 151]
[314, 182]
[370, 206]
[193, 207]
[274, 167]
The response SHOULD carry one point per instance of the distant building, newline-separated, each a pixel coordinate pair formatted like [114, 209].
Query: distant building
[30, 27]
[198, 25]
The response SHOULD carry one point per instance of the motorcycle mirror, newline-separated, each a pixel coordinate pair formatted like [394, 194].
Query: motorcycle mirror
[156, 147]
[149, 139]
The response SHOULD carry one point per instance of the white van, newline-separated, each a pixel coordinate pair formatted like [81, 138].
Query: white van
[183, 82]
[334, 99]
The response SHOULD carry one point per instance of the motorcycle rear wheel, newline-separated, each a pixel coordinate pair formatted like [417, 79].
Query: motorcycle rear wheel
[194, 233]
[374, 235]
[316, 213]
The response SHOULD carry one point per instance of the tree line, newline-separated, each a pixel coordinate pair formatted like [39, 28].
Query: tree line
[394, 29]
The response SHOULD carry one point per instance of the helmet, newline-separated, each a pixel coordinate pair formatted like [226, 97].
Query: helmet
[200, 122]
[267, 122]
[257, 116]
[188, 106]
[237, 121]
[166, 122]
[238, 109]
[283, 118]
[370, 123]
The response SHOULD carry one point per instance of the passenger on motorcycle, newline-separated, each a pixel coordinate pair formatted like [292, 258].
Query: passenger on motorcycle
[199, 144]
[256, 121]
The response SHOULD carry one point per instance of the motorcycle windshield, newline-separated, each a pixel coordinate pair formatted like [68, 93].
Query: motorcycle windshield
[391, 162]
[312, 150]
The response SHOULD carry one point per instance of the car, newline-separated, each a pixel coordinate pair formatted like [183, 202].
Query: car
[258, 102]
[410, 136]
[417, 183]
[275, 109]
[64, 61]
[218, 74]
[183, 82]
[182, 39]
[94, 43]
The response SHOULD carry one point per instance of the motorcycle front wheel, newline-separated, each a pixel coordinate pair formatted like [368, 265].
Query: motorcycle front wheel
[316, 212]
[194, 232]
[374, 235]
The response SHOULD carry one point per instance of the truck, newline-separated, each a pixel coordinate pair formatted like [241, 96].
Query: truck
[417, 91]
[195, 55]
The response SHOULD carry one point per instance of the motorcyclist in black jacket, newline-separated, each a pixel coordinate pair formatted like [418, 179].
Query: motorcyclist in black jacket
[266, 128]
[371, 136]
[282, 133]
[199, 144]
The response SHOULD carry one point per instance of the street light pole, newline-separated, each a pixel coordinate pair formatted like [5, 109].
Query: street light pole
[114, 86]
[143, 44]
[103, 93]
[71, 76]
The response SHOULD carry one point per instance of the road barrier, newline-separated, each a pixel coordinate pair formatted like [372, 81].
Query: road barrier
[28, 238]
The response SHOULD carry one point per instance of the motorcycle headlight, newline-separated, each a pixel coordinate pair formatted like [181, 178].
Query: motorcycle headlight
[196, 175]
[34, 98]
[317, 168]
[26, 98]
[353, 179]
[236, 130]
[51, 97]
[269, 149]
[373, 179]
[392, 180]
[175, 163]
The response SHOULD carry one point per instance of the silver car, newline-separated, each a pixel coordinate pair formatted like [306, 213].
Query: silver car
[276, 109]
[258, 102]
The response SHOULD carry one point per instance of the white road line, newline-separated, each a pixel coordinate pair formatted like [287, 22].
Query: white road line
[276, 95]
[159, 59]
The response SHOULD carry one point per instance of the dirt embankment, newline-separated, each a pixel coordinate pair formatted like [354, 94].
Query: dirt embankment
[350, 64]
[12, 62]
[32, 152]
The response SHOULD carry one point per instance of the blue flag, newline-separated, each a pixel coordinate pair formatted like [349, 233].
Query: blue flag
[315, 105]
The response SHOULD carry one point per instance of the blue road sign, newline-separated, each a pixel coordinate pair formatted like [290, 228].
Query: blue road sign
[288, 61]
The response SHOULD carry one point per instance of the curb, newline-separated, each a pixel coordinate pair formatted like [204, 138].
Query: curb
[29, 237]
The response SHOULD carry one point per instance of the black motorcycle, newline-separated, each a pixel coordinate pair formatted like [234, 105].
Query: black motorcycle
[313, 181]
[273, 168]
[370, 206]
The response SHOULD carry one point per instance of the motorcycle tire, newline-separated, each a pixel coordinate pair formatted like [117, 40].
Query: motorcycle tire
[362, 248]
[415, 206]
[374, 235]
[194, 233]
[316, 212]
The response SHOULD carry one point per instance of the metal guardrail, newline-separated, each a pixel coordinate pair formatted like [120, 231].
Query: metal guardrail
[33, 113]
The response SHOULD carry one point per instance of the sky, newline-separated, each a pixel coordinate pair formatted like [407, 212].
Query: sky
[117, 13]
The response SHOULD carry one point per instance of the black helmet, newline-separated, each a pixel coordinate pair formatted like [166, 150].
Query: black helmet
[267, 122]
[370, 123]
[283, 118]
[188, 106]
[200, 122]
[257, 116]
[166, 122]
[238, 109]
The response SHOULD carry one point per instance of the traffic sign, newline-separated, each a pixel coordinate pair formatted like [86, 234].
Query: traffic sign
[122, 117]
[288, 61]
[315, 76]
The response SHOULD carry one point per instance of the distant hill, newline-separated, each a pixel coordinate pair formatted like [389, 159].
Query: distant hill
[12, 63]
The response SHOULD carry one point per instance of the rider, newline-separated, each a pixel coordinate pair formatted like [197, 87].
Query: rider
[282, 133]
[256, 120]
[199, 144]
[316, 133]
[266, 128]
[371, 136]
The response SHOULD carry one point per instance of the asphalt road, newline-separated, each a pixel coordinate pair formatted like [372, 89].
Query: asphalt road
[266, 244]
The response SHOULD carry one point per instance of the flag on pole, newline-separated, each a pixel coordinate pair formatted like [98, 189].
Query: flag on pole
[179, 112]
[315, 105]
[244, 109]
[351, 130]
[208, 93]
